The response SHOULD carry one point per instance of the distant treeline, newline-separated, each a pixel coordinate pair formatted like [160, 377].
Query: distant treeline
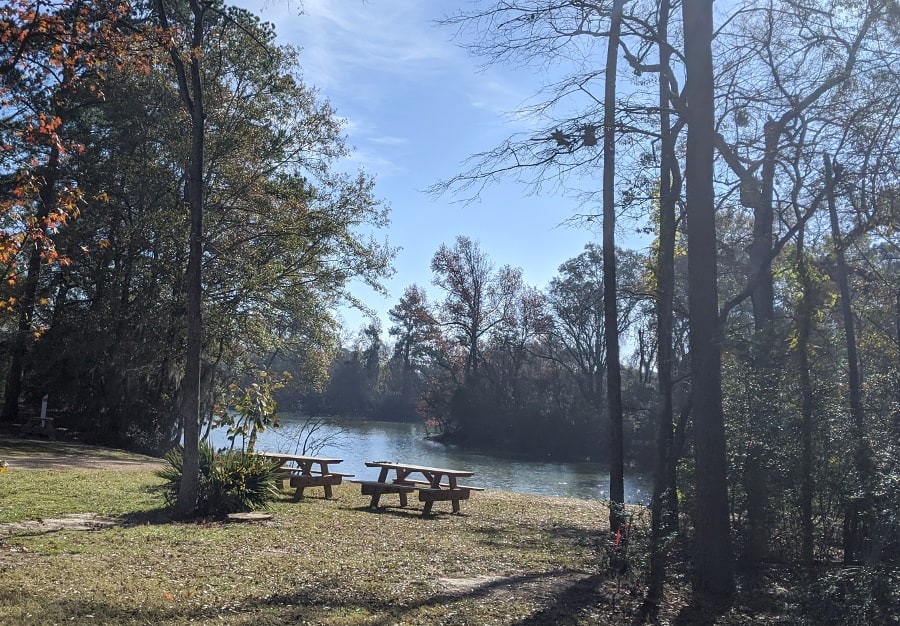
[498, 364]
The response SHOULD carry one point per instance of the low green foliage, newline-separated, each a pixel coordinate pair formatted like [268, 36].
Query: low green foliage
[854, 595]
[230, 481]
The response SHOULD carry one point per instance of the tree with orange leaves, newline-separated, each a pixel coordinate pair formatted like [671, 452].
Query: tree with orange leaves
[53, 57]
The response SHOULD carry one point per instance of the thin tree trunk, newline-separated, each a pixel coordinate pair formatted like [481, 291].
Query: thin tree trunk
[610, 292]
[191, 92]
[854, 521]
[804, 329]
[712, 554]
[663, 496]
[756, 475]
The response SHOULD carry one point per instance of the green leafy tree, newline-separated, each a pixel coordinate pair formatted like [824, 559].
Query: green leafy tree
[414, 330]
[282, 239]
[250, 409]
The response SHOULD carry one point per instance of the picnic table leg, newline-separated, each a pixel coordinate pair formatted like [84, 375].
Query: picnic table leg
[455, 501]
[329, 494]
[427, 509]
[376, 493]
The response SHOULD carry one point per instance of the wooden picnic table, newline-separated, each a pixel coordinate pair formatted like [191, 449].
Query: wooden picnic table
[436, 484]
[307, 471]
[39, 426]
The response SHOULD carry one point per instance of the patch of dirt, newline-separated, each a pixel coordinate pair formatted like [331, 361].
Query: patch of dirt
[75, 521]
[533, 586]
[467, 585]
[80, 463]
[19, 453]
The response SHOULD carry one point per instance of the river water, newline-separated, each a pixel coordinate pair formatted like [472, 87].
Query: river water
[358, 442]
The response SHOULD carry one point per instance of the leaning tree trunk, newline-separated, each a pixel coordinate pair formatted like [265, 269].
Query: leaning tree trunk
[712, 554]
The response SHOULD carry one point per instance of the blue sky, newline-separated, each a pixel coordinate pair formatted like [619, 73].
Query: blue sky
[417, 105]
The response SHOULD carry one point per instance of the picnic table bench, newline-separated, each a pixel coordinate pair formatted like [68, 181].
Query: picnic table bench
[307, 471]
[439, 484]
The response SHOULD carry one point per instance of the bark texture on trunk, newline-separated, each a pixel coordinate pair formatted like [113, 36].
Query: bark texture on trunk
[610, 292]
[712, 556]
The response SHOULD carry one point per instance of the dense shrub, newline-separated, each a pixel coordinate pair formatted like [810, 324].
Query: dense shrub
[230, 481]
[854, 595]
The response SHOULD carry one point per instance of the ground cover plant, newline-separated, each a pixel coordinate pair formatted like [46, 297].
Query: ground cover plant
[508, 559]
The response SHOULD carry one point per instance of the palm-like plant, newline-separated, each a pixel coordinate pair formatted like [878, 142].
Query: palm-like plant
[230, 482]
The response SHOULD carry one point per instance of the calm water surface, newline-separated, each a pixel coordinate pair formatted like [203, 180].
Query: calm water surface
[358, 442]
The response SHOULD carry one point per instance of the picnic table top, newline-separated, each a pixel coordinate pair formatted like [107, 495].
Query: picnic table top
[419, 468]
[298, 458]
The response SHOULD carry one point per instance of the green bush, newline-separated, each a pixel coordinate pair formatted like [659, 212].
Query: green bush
[230, 482]
[854, 596]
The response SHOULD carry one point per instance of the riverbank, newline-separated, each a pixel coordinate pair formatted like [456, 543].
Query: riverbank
[508, 559]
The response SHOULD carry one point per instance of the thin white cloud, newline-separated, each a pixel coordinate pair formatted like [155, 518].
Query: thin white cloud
[371, 147]
[499, 96]
[374, 162]
[386, 140]
[346, 41]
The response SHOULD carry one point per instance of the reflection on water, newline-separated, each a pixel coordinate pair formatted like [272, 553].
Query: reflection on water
[387, 441]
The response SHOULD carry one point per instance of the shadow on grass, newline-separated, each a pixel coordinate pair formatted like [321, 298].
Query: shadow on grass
[525, 538]
[401, 512]
[563, 594]
[386, 611]
[165, 609]
[15, 445]
[569, 602]
[301, 606]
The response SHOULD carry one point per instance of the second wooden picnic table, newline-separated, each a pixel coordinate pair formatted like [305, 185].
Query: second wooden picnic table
[307, 471]
[431, 487]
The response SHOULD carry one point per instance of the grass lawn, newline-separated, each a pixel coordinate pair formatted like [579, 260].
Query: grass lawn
[508, 559]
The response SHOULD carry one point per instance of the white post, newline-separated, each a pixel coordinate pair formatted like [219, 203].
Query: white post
[44, 406]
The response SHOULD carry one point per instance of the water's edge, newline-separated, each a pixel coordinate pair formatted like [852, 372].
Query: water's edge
[357, 442]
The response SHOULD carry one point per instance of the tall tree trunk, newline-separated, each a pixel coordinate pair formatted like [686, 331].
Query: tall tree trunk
[191, 92]
[610, 292]
[712, 554]
[664, 501]
[764, 415]
[854, 521]
[48, 199]
[804, 330]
